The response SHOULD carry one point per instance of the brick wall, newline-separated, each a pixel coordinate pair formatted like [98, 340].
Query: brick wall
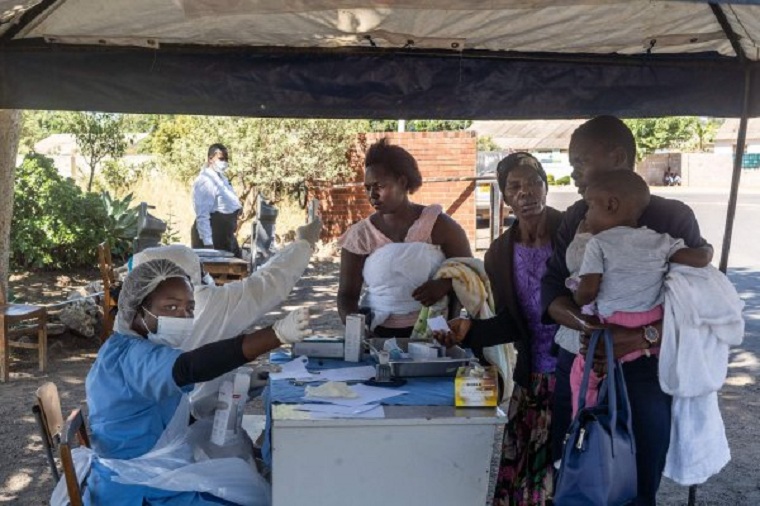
[438, 155]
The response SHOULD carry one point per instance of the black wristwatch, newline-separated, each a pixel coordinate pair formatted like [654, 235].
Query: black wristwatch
[651, 335]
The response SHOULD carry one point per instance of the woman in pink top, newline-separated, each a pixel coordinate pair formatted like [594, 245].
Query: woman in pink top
[397, 249]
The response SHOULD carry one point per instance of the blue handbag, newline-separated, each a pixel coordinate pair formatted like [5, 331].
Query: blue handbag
[599, 457]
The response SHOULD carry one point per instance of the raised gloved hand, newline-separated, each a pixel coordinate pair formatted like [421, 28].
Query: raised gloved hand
[294, 327]
[311, 231]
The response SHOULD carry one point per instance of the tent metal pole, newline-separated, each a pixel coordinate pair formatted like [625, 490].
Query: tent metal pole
[30, 18]
[725, 25]
[738, 157]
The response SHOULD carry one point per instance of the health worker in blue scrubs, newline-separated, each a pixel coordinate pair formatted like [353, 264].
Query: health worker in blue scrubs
[140, 376]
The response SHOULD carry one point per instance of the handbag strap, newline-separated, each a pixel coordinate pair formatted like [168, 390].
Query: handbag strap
[614, 382]
[610, 381]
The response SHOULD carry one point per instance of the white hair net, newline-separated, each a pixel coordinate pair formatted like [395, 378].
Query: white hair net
[140, 283]
[181, 255]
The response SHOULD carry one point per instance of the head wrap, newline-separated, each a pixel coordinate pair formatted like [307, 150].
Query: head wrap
[514, 160]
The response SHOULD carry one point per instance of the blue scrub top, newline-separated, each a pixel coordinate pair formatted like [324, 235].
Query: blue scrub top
[131, 397]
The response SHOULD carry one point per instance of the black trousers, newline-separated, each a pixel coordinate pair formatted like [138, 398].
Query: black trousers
[223, 228]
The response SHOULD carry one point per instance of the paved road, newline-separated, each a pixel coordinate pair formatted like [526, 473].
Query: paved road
[710, 208]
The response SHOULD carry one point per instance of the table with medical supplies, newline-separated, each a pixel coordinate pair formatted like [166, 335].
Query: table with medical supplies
[419, 449]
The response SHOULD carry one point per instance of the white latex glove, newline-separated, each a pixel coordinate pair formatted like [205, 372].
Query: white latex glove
[310, 232]
[294, 327]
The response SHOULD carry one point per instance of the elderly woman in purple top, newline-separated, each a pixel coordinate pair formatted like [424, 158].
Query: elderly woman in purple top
[515, 263]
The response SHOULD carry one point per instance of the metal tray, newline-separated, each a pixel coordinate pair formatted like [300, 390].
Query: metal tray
[408, 368]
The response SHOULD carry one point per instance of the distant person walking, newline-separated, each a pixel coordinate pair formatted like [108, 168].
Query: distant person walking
[216, 205]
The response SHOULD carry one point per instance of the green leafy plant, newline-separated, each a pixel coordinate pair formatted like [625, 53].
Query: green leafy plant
[120, 223]
[119, 177]
[550, 179]
[171, 235]
[486, 143]
[99, 135]
[55, 224]
[563, 181]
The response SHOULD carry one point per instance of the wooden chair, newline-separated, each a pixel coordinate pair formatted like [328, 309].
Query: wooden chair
[47, 412]
[108, 276]
[74, 431]
[33, 319]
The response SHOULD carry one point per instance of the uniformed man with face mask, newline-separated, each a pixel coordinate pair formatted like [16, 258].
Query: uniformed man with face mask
[216, 205]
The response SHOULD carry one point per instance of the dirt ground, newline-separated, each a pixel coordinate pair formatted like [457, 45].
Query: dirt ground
[26, 479]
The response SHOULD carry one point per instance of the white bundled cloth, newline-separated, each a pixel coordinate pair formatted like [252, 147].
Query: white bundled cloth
[393, 272]
[703, 317]
[473, 289]
[172, 465]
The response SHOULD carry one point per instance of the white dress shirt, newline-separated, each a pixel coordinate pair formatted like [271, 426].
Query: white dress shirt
[212, 193]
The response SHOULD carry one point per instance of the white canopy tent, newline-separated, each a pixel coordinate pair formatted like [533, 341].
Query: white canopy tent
[494, 59]
[528, 26]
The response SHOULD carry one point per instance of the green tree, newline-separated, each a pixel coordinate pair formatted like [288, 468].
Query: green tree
[271, 156]
[99, 135]
[41, 124]
[419, 125]
[705, 130]
[677, 132]
[142, 123]
[486, 143]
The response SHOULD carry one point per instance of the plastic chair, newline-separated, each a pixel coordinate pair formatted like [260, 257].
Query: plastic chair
[108, 277]
[47, 412]
[73, 430]
[35, 318]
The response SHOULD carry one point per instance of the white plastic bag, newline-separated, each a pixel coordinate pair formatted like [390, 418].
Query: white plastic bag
[170, 465]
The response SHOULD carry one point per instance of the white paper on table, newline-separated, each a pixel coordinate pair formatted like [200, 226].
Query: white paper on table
[438, 324]
[295, 369]
[334, 411]
[367, 395]
[360, 373]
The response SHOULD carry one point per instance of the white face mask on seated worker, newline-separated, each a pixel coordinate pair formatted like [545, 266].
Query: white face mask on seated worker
[170, 331]
[220, 165]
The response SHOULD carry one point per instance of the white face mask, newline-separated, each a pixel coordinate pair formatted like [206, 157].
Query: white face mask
[171, 331]
[220, 165]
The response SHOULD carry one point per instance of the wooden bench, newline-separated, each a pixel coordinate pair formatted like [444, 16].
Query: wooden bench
[34, 318]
